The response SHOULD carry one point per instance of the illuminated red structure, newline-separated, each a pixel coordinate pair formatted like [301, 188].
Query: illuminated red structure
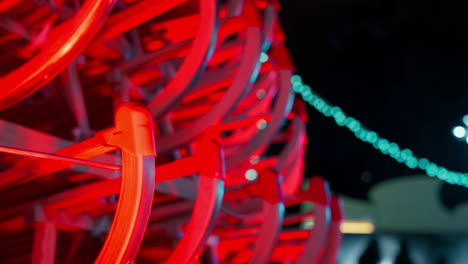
[156, 132]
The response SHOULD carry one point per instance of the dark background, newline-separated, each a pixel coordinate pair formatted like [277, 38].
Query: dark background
[400, 67]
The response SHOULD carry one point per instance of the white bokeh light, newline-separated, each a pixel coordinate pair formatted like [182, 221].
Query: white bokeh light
[251, 175]
[465, 120]
[459, 131]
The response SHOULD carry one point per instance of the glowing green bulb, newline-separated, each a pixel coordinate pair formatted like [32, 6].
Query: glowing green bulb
[310, 99]
[335, 110]
[336, 113]
[398, 157]
[372, 137]
[361, 134]
[406, 154]
[339, 118]
[393, 148]
[296, 79]
[327, 111]
[423, 163]
[463, 178]
[449, 180]
[452, 175]
[352, 124]
[301, 88]
[349, 120]
[383, 145]
[432, 170]
[320, 103]
[443, 174]
[306, 92]
[356, 126]
[412, 163]
[297, 87]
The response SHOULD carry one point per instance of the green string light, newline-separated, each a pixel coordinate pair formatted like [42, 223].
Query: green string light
[392, 149]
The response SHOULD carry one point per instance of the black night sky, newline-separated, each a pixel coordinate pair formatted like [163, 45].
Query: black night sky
[400, 67]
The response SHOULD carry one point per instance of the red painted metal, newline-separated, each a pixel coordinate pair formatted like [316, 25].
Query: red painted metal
[74, 36]
[133, 135]
[79, 186]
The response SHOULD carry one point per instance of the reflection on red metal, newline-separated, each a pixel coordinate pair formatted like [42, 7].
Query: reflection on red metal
[90, 93]
[72, 37]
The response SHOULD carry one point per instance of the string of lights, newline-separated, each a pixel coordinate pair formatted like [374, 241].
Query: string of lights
[386, 147]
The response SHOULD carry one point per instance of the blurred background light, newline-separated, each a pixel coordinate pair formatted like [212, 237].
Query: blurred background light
[459, 131]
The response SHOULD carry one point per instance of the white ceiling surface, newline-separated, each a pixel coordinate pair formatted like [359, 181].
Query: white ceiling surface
[408, 204]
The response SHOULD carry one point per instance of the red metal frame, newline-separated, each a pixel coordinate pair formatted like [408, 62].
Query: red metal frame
[74, 35]
[215, 193]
